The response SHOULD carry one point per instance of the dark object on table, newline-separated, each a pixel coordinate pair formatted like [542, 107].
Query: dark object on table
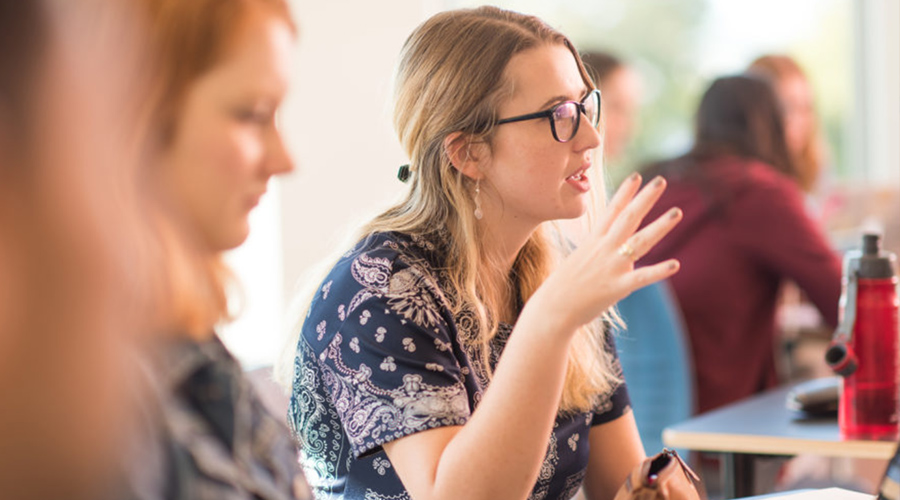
[663, 476]
[815, 398]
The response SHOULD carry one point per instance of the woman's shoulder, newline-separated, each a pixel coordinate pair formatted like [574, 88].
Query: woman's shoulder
[170, 444]
[760, 193]
[752, 171]
[739, 176]
[377, 265]
[392, 245]
[765, 173]
[377, 256]
[768, 188]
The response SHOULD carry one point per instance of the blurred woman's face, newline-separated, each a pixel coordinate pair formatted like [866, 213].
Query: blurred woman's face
[621, 94]
[796, 99]
[226, 145]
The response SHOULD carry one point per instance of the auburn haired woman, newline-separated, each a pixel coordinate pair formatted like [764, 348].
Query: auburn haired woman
[221, 70]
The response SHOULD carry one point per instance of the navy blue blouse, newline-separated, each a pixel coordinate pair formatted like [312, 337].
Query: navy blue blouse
[381, 356]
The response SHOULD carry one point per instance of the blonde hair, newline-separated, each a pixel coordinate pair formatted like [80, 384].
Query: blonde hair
[451, 78]
[187, 39]
[808, 162]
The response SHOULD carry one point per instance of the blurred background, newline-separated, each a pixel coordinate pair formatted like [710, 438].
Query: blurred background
[337, 119]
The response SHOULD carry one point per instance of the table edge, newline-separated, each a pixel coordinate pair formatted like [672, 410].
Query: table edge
[764, 445]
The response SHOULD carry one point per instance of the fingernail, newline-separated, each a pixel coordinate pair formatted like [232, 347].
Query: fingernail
[634, 177]
[658, 181]
[673, 265]
[675, 213]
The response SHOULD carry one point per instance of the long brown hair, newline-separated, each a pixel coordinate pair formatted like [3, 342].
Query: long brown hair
[741, 115]
[738, 116]
[187, 39]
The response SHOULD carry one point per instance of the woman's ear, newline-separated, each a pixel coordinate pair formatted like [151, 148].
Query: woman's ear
[465, 155]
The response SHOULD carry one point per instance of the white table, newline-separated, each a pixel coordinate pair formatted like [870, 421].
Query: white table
[821, 494]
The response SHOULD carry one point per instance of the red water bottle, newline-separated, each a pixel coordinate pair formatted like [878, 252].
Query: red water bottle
[865, 346]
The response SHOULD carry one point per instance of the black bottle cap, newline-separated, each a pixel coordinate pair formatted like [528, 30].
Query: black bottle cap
[873, 263]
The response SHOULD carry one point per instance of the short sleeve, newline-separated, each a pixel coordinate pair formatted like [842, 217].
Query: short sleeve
[382, 339]
[616, 401]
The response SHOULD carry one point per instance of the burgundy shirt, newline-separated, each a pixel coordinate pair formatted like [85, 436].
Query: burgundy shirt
[745, 230]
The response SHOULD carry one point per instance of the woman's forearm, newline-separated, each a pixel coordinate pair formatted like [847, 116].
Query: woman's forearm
[498, 453]
[500, 450]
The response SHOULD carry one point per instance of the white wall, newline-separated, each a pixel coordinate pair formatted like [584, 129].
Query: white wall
[258, 301]
[337, 122]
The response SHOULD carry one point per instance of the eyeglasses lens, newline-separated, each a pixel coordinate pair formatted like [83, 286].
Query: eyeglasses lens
[565, 121]
[567, 116]
[592, 108]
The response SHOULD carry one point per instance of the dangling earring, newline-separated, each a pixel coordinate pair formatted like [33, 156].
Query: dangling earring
[477, 198]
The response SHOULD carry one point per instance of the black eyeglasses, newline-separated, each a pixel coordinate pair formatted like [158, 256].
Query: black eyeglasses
[565, 117]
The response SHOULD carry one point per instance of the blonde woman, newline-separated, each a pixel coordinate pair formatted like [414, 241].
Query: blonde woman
[453, 352]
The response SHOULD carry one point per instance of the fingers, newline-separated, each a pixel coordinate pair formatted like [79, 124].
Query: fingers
[629, 218]
[644, 240]
[647, 275]
[620, 200]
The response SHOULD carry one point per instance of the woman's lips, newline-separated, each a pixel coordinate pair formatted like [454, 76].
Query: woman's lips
[579, 180]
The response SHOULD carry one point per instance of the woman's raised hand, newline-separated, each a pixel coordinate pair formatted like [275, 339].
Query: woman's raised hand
[601, 271]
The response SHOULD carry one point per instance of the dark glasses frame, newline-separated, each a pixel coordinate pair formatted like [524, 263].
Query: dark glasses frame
[582, 109]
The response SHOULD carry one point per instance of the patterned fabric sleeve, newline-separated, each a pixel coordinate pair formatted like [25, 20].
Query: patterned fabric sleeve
[616, 402]
[381, 336]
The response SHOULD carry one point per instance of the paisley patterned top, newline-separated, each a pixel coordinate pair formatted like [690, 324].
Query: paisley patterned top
[382, 356]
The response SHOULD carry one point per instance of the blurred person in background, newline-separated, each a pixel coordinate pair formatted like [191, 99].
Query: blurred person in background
[221, 70]
[69, 272]
[620, 97]
[805, 140]
[745, 232]
[801, 126]
[459, 349]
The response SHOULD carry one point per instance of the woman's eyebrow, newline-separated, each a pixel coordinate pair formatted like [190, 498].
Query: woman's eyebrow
[555, 99]
[562, 98]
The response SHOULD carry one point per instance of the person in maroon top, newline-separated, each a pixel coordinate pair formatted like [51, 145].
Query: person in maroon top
[745, 231]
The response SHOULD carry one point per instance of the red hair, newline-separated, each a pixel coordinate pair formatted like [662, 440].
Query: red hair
[809, 160]
[187, 39]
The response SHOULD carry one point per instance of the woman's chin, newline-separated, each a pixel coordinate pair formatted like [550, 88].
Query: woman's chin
[228, 238]
[576, 210]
